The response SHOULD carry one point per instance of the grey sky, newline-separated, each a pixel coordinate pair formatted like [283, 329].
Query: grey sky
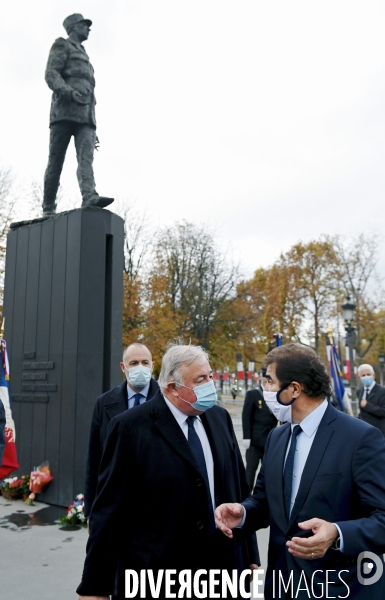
[266, 119]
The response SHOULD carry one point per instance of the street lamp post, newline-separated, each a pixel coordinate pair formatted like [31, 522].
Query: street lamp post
[381, 360]
[348, 313]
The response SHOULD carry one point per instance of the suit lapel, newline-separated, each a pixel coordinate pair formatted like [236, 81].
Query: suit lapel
[276, 458]
[213, 427]
[152, 389]
[170, 429]
[117, 402]
[317, 450]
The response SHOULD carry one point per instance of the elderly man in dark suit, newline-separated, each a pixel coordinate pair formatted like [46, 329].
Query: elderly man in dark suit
[371, 398]
[69, 74]
[257, 422]
[165, 466]
[138, 387]
[321, 489]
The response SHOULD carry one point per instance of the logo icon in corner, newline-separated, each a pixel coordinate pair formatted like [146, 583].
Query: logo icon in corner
[367, 568]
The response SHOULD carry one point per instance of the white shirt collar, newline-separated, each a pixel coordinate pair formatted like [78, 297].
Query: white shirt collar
[144, 391]
[312, 421]
[371, 386]
[178, 414]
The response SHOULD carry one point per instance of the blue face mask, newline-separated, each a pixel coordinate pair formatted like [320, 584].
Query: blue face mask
[138, 376]
[367, 380]
[206, 396]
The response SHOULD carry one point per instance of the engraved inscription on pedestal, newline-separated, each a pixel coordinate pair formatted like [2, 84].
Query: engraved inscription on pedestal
[43, 387]
[25, 398]
[31, 380]
[34, 376]
[38, 365]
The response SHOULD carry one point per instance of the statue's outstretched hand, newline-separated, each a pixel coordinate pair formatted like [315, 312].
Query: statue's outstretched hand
[79, 98]
[228, 516]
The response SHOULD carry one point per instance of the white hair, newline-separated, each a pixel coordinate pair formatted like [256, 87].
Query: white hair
[177, 355]
[364, 367]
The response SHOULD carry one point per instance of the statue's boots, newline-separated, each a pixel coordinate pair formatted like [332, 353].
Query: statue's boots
[49, 209]
[96, 200]
[48, 212]
[49, 198]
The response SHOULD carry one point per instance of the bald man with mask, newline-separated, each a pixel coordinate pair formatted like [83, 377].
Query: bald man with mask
[138, 387]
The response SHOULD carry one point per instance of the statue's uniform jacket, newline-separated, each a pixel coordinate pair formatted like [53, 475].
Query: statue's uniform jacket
[69, 69]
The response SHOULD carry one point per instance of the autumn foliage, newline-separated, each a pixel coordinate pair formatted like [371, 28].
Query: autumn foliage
[189, 288]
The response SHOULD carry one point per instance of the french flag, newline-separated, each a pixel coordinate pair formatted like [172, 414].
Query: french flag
[10, 462]
[278, 339]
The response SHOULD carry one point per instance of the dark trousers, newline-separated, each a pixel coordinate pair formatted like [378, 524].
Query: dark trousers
[60, 136]
[253, 455]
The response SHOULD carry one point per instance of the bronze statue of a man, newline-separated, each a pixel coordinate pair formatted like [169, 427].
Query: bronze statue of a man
[69, 74]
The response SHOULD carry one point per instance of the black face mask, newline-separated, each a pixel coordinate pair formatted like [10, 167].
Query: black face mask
[279, 392]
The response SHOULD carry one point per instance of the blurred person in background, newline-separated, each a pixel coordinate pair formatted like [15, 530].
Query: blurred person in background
[257, 422]
[371, 398]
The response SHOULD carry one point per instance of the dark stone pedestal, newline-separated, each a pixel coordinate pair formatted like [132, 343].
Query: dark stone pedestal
[63, 326]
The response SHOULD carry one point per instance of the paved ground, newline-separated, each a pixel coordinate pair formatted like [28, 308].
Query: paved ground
[40, 561]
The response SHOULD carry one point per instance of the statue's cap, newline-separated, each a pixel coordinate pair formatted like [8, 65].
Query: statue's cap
[70, 21]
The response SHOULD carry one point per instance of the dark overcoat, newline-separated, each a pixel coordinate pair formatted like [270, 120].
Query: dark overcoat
[374, 411]
[257, 419]
[107, 406]
[150, 511]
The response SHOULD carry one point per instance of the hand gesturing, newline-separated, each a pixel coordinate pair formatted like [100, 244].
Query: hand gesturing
[228, 516]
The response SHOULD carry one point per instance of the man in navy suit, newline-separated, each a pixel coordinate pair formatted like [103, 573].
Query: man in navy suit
[371, 398]
[321, 489]
[138, 387]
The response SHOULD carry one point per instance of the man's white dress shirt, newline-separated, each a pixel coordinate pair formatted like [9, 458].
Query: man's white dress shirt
[181, 419]
[131, 394]
[305, 440]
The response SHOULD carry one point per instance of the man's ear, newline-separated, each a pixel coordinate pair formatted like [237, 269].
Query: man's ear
[297, 388]
[122, 366]
[172, 388]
